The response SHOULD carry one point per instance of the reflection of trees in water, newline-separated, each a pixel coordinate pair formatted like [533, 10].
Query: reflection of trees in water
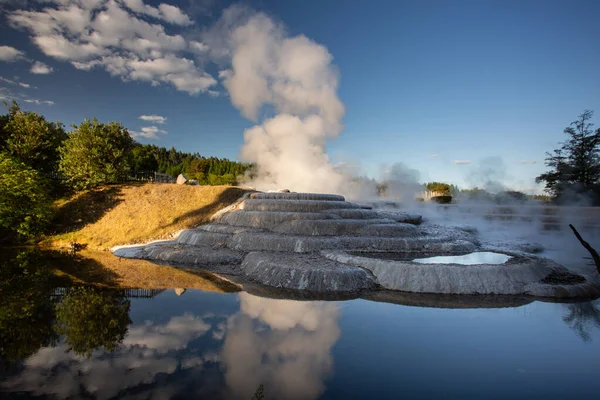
[285, 345]
[582, 318]
[32, 316]
[92, 318]
[26, 312]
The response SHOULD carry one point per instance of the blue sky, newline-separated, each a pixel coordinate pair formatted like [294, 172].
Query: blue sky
[458, 90]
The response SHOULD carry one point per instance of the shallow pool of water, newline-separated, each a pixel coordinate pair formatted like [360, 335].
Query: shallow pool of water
[479, 257]
[84, 342]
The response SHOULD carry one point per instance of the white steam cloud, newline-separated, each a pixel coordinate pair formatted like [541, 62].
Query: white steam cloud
[295, 78]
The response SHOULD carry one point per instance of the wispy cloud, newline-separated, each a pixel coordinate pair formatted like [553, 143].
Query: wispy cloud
[528, 162]
[39, 102]
[10, 81]
[462, 162]
[157, 119]
[40, 68]
[7, 94]
[433, 155]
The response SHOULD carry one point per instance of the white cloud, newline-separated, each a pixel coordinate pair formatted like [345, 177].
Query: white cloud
[175, 335]
[174, 15]
[154, 118]
[60, 47]
[293, 358]
[148, 132]
[434, 155]
[462, 162]
[96, 33]
[10, 54]
[165, 12]
[198, 47]
[528, 162]
[40, 68]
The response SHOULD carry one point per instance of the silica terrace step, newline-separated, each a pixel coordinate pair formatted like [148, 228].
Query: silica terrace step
[297, 196]
[293, 205]
[268, 219]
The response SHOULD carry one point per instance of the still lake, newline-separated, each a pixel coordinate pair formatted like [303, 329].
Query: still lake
[85, 342]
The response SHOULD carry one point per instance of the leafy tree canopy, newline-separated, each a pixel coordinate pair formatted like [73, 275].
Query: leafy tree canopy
[443, 189]
[95, 154]
[28, 137]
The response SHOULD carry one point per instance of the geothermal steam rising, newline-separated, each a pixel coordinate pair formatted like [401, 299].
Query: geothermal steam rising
[295, 76]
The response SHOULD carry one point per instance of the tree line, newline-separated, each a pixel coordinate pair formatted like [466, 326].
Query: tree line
[33, 149]
[206, 170]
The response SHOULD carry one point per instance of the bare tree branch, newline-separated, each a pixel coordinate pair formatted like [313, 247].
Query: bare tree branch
[589, 248]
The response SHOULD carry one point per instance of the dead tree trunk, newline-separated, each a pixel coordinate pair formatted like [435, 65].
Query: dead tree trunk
[589, 248]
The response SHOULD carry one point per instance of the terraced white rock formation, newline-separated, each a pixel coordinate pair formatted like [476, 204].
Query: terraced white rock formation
[321, 243]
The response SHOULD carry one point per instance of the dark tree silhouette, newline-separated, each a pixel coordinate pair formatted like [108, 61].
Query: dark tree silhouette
[575, 166]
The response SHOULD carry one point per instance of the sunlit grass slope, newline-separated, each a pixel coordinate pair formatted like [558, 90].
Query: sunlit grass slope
[125, 214]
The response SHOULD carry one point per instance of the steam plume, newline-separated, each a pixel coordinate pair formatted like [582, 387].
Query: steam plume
[293, 78]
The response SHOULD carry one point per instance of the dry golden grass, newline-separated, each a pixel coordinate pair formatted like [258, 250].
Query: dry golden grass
[102, 268]
[135, 213]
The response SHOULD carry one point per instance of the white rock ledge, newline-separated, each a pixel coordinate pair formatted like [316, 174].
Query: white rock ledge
[521, 275]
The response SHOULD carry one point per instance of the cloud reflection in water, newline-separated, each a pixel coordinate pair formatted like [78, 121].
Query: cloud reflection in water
[283, 344]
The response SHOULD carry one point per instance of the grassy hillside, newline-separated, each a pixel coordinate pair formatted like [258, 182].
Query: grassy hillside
[135, 213]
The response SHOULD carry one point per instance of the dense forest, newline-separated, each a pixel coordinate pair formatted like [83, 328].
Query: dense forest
[207, 171]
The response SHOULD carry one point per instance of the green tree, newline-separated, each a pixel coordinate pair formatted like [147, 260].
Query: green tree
[28, 137]
[575, 166]
[93, 318]
[142, 158]
[25, 206]
[95, 154]
[443, 189]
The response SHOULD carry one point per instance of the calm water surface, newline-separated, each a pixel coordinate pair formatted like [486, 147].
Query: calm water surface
[91, 343]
